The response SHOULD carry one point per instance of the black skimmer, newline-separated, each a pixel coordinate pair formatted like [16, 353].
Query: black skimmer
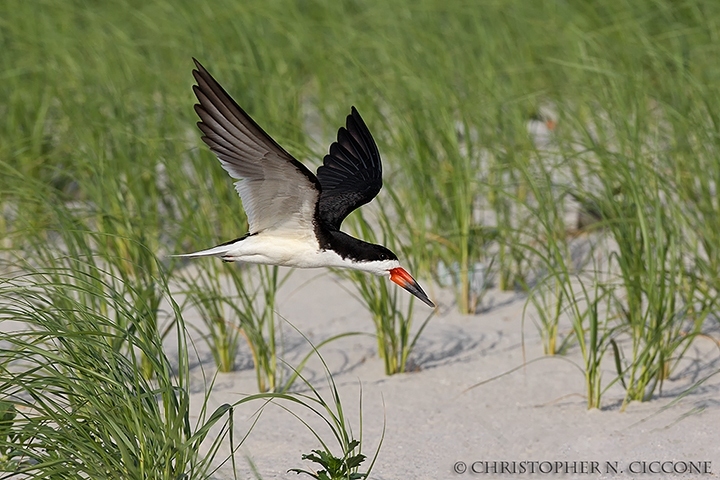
[294, 217]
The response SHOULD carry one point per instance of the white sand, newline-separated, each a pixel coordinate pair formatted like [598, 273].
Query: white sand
[537, 413]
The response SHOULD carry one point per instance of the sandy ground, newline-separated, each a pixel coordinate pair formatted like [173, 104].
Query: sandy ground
[532, 415]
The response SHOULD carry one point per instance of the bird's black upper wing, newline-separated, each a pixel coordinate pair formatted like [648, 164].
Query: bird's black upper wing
[351, 174]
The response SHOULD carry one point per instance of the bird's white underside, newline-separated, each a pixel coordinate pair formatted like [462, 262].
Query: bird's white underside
[290, 249]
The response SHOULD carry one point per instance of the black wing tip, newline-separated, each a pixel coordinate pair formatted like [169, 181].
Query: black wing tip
[356, 120]
[204, 80]
[201, 75]
[199, 65]
[354, 115]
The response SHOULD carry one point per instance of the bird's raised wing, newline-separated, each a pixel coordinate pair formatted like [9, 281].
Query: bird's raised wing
[277, 191]
[351, 174]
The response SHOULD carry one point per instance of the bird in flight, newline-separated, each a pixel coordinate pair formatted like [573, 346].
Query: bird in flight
[294, 217]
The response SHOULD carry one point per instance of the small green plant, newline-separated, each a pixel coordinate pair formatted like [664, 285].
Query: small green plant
[330, 413]
[334, 468]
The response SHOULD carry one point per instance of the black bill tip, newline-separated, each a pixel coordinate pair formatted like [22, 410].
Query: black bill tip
[401, 277]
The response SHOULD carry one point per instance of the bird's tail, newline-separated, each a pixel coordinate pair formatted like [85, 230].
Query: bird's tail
[218, 251]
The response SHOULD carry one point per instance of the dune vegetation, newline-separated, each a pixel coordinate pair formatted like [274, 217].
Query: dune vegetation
[565, 149]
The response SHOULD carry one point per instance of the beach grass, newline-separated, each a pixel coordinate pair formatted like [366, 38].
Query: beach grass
[233, 303]
[87, 396]
[103, 175]
[391, 308]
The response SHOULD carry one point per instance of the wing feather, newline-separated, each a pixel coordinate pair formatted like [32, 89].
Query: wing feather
[277, 191]
[351, 173]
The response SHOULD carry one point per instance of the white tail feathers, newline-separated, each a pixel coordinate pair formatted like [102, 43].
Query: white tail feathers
[218, 251]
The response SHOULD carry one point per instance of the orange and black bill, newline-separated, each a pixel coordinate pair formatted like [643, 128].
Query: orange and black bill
[405, 280]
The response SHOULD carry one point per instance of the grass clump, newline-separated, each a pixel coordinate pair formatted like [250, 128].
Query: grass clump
[247, 309]
[390, 307]
[77, 405]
